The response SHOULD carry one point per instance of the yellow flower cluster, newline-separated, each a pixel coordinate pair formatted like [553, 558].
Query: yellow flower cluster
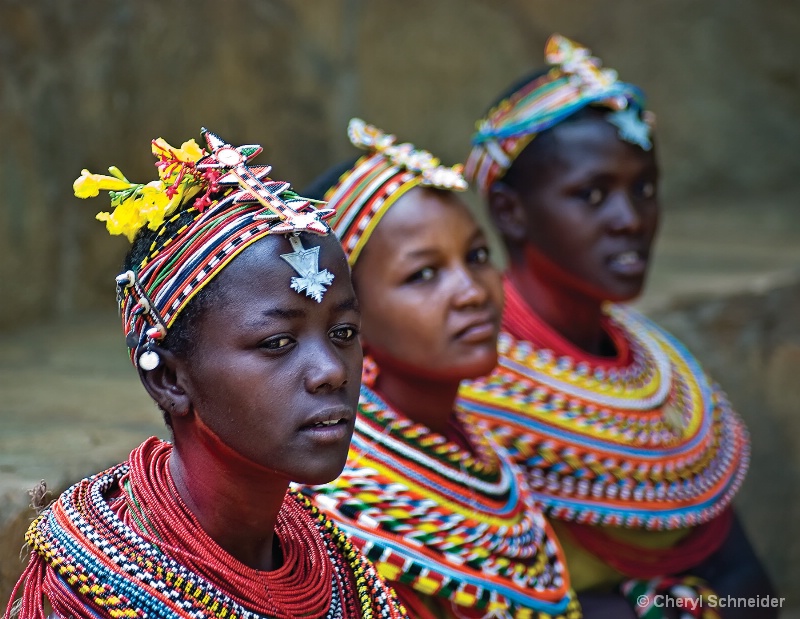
[136, 205]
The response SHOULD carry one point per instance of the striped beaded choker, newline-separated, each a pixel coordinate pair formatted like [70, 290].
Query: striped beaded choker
[456, 527]
[225, 205]
[647, 442]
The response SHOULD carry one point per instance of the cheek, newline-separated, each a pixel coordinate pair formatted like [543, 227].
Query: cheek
[492, 281]
[404, 324]
[653, 220]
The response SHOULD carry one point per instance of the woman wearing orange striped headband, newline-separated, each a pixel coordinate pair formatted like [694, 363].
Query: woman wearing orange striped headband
[634, 452]
[240, 316]
[445, 517]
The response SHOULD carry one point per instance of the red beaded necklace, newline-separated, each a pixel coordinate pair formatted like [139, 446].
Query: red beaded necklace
[123, 544]
[300, 587]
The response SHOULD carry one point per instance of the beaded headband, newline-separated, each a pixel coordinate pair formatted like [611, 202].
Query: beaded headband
[575, 81]
[239, 205]
[364, 193]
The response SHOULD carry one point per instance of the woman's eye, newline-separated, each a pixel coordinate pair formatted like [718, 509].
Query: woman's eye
[479, 255]
[277, 343]
[593, 196]
[647, 189]
[343, 333]
[423, 275]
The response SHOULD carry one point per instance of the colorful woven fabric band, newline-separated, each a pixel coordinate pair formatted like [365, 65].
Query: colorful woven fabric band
[365, 193]
[575, 81]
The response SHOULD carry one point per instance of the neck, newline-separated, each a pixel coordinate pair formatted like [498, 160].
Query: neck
[427, 402]
[575, 317]
[235, 501]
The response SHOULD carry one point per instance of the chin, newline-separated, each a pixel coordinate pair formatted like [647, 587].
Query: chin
[624, 296]
[319, 477]
[478, 367]
[620, 290]
[322, 472]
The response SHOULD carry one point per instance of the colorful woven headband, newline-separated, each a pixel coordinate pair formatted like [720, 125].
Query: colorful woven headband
[364, 193]
[575, 81]
[239, 205]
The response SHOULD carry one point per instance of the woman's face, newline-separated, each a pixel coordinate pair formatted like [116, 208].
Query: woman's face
[431, 301]
[274, 374]
[591, 209]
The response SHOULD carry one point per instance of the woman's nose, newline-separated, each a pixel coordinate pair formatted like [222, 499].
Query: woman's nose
[468, 289]
[327, 370]
[625, 217]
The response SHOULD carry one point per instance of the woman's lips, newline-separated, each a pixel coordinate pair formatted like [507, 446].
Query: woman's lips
[478, 331]
[329, 433]
[330, 426]
[628, 263]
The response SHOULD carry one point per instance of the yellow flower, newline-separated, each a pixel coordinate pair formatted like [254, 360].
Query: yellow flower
[126, 219]
[154, 204]
[189, 152]
[88, 185]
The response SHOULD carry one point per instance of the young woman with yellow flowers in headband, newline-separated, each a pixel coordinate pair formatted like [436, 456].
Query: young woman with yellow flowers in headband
[444, 514]
[634, 452]
[240, 317]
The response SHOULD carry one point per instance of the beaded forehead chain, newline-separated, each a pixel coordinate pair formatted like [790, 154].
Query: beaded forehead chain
[235, 204]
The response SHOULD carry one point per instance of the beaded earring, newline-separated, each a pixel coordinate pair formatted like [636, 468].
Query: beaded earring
[150, 359]
[369, 371]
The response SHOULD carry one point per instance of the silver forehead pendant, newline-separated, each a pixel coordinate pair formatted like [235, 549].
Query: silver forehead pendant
[306, 263]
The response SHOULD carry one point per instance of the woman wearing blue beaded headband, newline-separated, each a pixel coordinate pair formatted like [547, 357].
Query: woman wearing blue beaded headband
[634, 452]
[239, 314]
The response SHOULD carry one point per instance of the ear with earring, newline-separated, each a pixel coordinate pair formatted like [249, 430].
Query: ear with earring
[369, 371]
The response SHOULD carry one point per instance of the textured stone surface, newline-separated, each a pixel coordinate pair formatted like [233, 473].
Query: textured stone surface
[88, 83]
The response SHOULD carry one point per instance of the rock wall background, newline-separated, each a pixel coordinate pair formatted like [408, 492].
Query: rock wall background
[87, 83]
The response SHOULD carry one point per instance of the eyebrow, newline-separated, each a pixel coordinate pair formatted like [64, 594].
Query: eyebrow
[433, 252]
[275, 312]
[421, 253]
[350, 304]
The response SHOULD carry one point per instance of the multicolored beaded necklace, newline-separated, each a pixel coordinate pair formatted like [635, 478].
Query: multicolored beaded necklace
[457, 525]
[121, 544]
[646, 441]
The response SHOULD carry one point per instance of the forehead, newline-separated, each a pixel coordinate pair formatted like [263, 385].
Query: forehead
[260, 272]
[421, 216]
[589, 145]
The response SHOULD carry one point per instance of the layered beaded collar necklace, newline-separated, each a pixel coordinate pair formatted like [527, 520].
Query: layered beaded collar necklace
[643, 441]
[92, 557]
[448, 523]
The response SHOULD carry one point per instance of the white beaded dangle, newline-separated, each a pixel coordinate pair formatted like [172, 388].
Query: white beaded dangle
[149, 360]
